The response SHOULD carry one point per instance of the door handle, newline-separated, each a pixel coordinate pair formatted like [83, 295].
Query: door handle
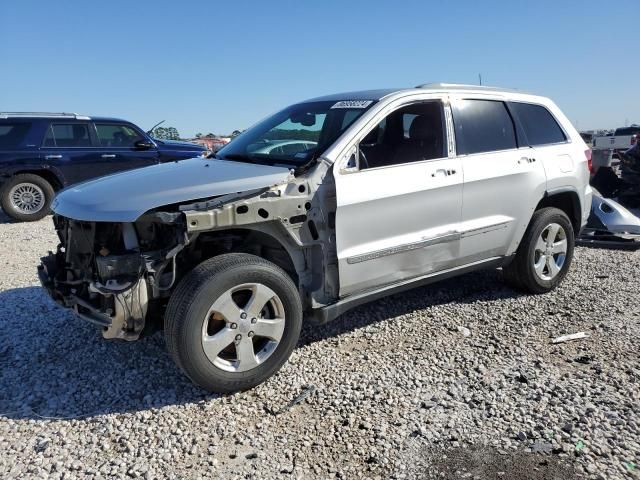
[52, 157]
[526, 160]
[108, 155]
[443, 172]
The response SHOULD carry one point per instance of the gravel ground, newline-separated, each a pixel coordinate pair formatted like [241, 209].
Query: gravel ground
[457, 380]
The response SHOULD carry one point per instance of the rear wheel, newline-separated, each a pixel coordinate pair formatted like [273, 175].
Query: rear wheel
[26, 197]
[545, 253]
[233, 322]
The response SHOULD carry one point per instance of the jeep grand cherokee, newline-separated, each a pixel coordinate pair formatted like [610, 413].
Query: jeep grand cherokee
[385, 190]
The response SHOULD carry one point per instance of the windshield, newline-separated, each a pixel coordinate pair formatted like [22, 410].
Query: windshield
[295, 135]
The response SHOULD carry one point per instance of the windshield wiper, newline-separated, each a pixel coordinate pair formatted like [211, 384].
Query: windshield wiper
[259, 160]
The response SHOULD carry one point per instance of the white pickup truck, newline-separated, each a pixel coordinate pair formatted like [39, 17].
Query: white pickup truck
[622, 139]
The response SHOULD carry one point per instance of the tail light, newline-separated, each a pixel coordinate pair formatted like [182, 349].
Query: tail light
[587, 153]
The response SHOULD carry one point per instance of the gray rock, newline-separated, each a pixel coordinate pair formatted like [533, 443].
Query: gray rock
[395, 390]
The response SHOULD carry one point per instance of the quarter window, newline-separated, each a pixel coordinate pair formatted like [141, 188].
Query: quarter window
[12, 134]
[117, 135]
[539, 125]
[67, 135]
[483, 126]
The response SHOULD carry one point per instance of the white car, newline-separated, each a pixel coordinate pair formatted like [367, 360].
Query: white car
[622, 139]
[402, 188]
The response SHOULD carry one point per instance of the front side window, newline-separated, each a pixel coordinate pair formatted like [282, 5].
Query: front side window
[111, 135]
[410, 134]
[295, 135]
[71, 135]
[12, 134]
[483, 126]
[539, 125]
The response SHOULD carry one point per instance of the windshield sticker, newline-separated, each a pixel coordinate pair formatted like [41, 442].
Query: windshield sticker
[352, 104]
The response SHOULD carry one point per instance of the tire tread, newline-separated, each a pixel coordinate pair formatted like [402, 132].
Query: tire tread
[5, 202]
[518, 273]
[184, 296]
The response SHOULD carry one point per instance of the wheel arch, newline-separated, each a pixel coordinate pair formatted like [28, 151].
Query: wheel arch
[49, 175]
[262, 242]
[566, 200]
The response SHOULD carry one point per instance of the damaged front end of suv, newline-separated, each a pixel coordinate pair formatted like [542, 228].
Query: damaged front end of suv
[111, 274]
[227, 254]
[119, 275]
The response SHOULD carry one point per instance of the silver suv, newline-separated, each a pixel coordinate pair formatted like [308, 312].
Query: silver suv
[363, 194]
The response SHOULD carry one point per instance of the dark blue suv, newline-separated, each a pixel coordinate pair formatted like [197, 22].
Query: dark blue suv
[41, 153]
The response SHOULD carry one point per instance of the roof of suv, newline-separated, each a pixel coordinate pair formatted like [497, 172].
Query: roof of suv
[434, 87]
[61, 115]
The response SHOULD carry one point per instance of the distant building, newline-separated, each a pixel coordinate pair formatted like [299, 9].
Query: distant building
[211, 143]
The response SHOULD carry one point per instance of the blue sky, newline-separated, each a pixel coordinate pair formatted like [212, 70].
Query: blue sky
[207, 66]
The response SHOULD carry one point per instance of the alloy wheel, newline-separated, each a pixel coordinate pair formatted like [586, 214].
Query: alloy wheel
[550, 252]
[243, 327]
[27, 198]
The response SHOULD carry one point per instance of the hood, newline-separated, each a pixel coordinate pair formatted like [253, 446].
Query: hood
[178, 145]
[125, 196]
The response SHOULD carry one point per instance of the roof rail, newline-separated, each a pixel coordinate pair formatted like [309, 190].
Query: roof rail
[44, 114]
[462, 86]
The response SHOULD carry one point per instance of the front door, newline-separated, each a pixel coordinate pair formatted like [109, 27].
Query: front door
[119, 150]
[398, 209]
[70, 148]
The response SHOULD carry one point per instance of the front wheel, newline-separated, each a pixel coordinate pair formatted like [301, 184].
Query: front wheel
[233, 322]
[545, 253]
[26, 197]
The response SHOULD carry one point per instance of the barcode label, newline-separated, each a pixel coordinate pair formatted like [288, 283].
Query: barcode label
[353, 104]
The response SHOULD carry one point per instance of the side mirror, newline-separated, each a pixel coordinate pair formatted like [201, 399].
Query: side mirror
[143, 145]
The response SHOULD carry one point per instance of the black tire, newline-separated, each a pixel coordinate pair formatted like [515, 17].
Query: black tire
[28, 178]
[520, 273]
[196, 293]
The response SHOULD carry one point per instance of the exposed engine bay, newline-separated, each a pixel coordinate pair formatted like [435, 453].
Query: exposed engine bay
[120, 276]
[109, 272]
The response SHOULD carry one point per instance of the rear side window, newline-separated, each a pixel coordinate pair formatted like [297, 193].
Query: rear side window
[13, 134]
[483, 126]
[539, 125]
[117, 135]
[632, 130]
[67, 135]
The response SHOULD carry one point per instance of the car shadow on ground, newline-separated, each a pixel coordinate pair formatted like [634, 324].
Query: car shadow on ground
[54, 365]
[4, 218]
[465, 289]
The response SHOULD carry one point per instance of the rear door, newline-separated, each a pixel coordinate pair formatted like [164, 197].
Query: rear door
[120, 151]
[19, 145]
[69, 146]
[399, 207]
[563, 160]
[503, 178]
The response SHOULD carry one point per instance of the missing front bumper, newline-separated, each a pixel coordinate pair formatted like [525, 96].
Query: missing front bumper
[124, 320]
